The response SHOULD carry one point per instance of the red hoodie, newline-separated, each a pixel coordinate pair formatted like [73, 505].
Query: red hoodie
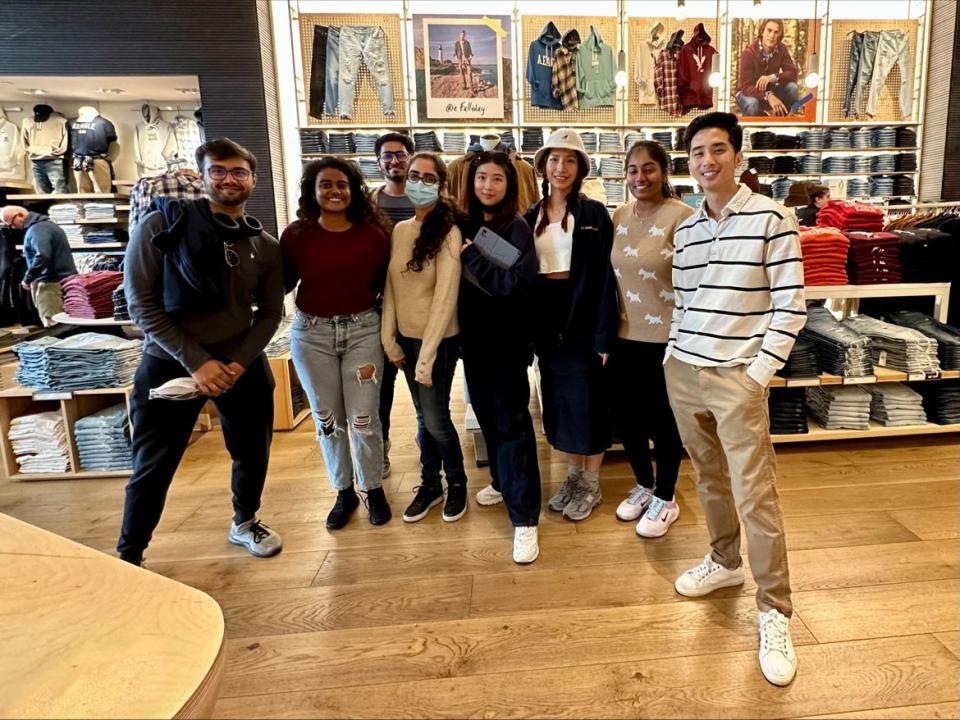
[693, 71]
[753, 67]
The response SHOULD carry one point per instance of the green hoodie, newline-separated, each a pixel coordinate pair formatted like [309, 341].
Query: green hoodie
[595, 72]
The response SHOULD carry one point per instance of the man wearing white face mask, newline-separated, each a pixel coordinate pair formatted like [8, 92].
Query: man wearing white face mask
[492, 141]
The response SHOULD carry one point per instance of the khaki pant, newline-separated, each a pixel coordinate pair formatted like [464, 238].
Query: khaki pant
[100, 179]
[724, 422]
[48, 299]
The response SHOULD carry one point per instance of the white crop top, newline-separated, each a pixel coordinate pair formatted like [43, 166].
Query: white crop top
[554, 247]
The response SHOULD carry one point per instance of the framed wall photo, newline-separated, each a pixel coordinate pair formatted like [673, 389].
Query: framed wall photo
[769, 64]
[462, 66]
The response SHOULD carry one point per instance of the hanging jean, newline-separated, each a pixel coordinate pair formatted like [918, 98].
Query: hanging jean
[331, 77]
[853, 67]
[48, 176]
[868, 56]
[318, 71]
[329, 354]
[892, 48]
[369, 44]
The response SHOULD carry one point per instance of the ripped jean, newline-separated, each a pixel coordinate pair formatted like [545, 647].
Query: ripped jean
[334, 358]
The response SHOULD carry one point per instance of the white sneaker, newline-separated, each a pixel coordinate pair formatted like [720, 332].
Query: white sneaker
[657, 520]
[257, 538]
[635, 504]
[525, 547]
[707, 577]
[489, 496]
[778, 661]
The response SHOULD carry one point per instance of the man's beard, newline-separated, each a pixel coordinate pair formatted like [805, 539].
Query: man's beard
[234, 201]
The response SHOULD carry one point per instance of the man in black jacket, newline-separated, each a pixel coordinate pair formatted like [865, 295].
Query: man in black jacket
[193, 276]
[819, 195]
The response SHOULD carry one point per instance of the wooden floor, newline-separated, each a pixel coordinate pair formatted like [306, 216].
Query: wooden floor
[435, 620]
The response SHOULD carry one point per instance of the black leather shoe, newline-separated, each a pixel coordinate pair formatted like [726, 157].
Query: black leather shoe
[347, 502]
[378, 507]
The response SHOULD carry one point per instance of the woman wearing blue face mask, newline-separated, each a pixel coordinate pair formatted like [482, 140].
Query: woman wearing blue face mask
[419, 330]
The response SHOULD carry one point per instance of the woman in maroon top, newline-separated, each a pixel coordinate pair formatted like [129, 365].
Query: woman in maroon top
[338, 250]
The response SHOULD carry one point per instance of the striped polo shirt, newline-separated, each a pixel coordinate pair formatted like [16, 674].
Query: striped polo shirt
[738, 286]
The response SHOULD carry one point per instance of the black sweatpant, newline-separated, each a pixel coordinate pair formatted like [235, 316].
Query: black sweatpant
[161, 431]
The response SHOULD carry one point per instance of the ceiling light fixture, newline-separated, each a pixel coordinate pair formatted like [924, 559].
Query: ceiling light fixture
[187, 91]
[33, 91]
[621, 77]
[681, 14]
[110, 91]
[756, 12]
[715, 77]
[812, 79]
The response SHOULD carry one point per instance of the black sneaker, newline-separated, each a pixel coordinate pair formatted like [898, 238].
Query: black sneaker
[427, 496]
[378, 507]
[347, 502]
[456, 504]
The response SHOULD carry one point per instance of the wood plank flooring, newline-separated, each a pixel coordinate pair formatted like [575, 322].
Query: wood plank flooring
[435, 620]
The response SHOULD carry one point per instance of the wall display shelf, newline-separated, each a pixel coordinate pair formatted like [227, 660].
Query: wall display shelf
[819, 434]
[59, 197]
[91, 322]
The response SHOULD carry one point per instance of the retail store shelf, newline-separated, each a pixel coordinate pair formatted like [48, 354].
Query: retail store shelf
[100, 221]
[818, 433]
[54, 197]
[881, 375]
[90, 322]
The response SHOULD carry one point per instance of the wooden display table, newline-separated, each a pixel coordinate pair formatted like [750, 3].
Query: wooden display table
[87, 635]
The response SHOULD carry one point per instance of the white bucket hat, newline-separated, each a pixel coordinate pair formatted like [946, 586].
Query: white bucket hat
[563, 139]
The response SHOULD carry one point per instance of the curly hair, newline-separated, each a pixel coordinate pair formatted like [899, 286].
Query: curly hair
[438, 222]
[659, 156]
[504, 211]
[361, 209]
[573, 197]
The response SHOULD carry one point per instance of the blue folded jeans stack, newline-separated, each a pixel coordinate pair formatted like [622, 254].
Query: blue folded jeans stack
[103, 440]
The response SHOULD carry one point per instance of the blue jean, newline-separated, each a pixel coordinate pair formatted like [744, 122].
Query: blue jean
[369, 44]
[332, 72]
[439, 441]
[329, 354]
[48, 176]
[788, 93]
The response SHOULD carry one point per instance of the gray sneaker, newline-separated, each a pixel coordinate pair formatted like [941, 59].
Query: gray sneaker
[562, 496]
[584, 500]
[257, 538]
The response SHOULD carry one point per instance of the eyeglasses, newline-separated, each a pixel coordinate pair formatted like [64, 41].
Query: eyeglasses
[399, 156]
[428, 179]
[220, 173]
[230, 256]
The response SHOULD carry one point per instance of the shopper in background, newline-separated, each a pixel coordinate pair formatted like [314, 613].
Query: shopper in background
[738, 280]
[420, 330]
[576, 312]
[48, 257]
[338, 250]
[642, 261]
[495, 312]
[819, 196]
[393, 154]
[208, 254]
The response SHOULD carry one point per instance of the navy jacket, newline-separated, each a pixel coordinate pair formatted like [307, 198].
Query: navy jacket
[594, 314]
[540, 68]
[46, 250]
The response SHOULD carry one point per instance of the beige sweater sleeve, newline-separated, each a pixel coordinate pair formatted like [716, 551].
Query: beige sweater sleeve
[444, 304]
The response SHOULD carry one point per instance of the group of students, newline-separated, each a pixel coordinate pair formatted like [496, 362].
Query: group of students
[672, 317]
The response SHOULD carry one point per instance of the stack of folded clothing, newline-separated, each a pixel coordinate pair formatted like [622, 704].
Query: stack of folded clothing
[885, 137]
[78, 362]
[840, 407]
[897, 347]
[99, 211]
[824, 251]
[861, 163]
[941, 400]
[664, 139]
[103, 440]
[594, 169]
[616, 192]
[781, 187]
[883, 186]
[786, 142]
[874, 258]
[33, 370]
[927, 254]
[841, 350]
[589, 140]
[839, 138]
[786, 164]
[94, 237]
[788, 411]
[313, 142]
[120, 310]
[894, 404]
[845, 215]
[883, 163]
[859, 187]
[365, 142]
[506, 137]
[280, 343]
[64, 213]
[947, 336]
[91, 295]
[610, 142]
[341, 143]
[763, 140]
[905, 162]
[903, 185]
[369, 168]
[802, 361]
[632, 137]
[841, 164]
[611, 167]
[531, 139]
[74, 233]
[454, 142]
[862, 138]
[426, 141]
[39, 442]
[811, 165]
[905, 137]
[681, 165]
[761, 163]
[813, 139]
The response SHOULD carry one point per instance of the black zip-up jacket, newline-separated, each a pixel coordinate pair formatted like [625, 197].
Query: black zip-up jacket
[593, 310]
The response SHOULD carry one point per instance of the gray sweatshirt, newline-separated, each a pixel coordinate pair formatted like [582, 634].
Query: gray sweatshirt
[236, 333]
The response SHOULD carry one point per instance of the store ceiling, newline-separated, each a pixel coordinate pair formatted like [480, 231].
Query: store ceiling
[162, 88]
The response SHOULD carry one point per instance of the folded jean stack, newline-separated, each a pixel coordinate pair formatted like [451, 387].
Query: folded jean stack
[905, 162]
[589, 141]
[858, 187]
[883, 163]
[839, 138]
[941, 401]
[681, 165]
[861, 163]
[883, 186]
[455, 142]
[840, 407]
[616, 192]
[280, 343]
[313, 142]
[788, 411]
[813, 139]
[90, 296]
[39, 443]
[903, 185]
[120, 310]
[98, 237]
[862, 138]
[802, 361]
[845, 215]
[947, 336]
[763, 140]
[761, 163]
[811, 165]
[369, 168]
[103, 440]
[65, 213]
[781, 188]
[787, 142]
[897, 347]
[611, 167]
[632, 137]
[905, 137]
[594, 168]
[824, 251]
[341, 143]
[841, 350]
[78, 362]
[507, 138]
[838, 164]
[786, 165]
[99, 211]
[365, 142]
[894, 405]
[874, 258]
[886, 137]
[531, 139]
[426, 141]
[610, 142]
[664, 139]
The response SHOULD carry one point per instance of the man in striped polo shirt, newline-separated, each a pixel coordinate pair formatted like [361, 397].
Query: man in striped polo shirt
[738, 286]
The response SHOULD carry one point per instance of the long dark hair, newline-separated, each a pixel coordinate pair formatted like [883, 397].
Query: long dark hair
[659, 156]
[438, 221]
[361, 209]
[503, 212]
[573, 197]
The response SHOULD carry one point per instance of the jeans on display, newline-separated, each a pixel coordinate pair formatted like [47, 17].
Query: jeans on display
[868, 56]
[161, 431]
[892, 48]
[439, 442]
[48, 176]
[853, 67]
[788, 94]
[496, 375]
[329, 354]
[318, 71]
[331, 77]
[369, 44]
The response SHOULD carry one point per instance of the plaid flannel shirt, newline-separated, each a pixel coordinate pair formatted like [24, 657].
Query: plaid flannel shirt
[665, 82]
[169, 184]
[564, 81]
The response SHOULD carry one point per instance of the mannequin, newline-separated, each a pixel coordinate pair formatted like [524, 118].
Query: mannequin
[45, 138]
[156, 145]
[189, 138]
[11, 150]
[94, 142]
